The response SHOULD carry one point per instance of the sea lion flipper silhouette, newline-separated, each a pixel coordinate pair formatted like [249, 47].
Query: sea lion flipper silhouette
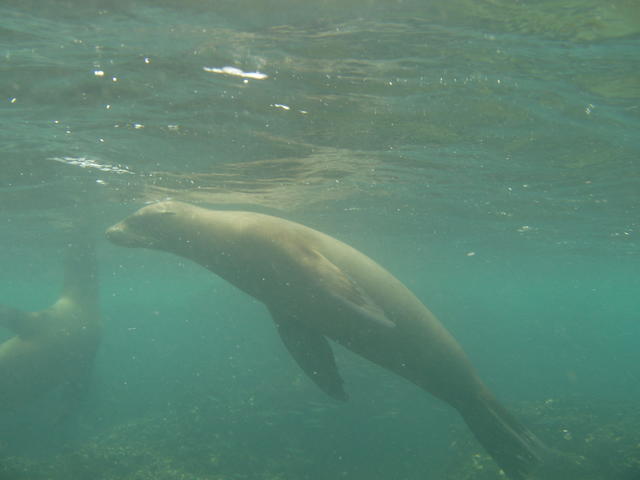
[312, 352]
[332, 281]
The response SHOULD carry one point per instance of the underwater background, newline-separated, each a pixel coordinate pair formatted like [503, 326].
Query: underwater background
[486, 152]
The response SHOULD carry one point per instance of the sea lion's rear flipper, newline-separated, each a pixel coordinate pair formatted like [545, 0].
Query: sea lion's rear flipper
[333, 282]
[312, 352]
[22, 323]
[513, 446]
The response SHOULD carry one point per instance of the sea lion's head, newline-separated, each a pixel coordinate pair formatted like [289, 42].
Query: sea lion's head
[153, 226]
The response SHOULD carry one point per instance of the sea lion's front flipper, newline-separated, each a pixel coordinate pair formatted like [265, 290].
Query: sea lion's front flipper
[19, 322]
[339, 286]
[312, 352]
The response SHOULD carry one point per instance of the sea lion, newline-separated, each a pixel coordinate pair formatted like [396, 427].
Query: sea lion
[317, 288]
[55, 346]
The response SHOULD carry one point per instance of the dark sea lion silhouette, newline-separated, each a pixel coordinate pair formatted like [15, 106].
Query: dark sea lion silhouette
[317, 287]
[56, 346]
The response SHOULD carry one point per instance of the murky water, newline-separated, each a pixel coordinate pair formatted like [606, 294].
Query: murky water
[485, 152]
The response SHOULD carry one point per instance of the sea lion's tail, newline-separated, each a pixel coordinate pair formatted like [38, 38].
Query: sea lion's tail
[517, 450]
[513, 446]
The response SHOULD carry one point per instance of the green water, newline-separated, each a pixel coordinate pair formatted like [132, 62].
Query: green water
[485, 152]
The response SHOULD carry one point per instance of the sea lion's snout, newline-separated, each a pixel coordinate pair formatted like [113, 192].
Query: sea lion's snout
[117, 234]
[123, 235]
[145, 228]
